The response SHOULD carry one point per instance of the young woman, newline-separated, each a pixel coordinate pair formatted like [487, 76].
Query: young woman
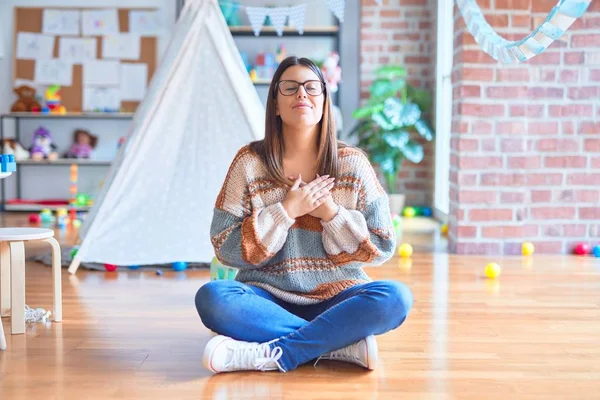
[299, 215]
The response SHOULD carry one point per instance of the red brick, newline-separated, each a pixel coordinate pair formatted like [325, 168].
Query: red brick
[530, 162]
[589, 127]
[397, 25]
[469, 91]
[592, 145]
[512, 5]
[476, 162]
[554, 212]
[510, 128]
[542, 6]
[467, 144]
[548, 57]
[482, 110]
[467, 231]
[478, 248]
[512, 197]
[485, 215]
[488, 145]
[565, 162]
[569, 76]
[583, 178]
[390, 13]
[574, 230]
[477, 74]
[541, 196]
[500, 232]
[533, 111]
[466, 179]
[542, 128]
[546, 92]
[584, 93]
[595, 75]
[472, 196]
[506, 92]
[596, 162]
[595, 230]
[482, 128]
[521, 20]
[497, 20]
[557, 145]
[417, 60]
[513, 145]
[587, 196]
[475, 57]
[545, 179]
[548, 75]
[573, 110]
[589, 213]
[552, 230]
[585, 40]
[575, 58]
[502, 179]
[548, 247]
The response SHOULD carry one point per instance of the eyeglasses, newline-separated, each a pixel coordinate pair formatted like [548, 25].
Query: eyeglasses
[289, 88]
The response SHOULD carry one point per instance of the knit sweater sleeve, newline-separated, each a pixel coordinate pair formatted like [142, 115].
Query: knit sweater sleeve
[364, 236]
[244, 237]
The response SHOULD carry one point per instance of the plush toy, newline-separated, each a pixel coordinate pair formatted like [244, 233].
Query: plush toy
[11, 146]
[27, 101]
[83, 144]
[42, 146]
[332, 71]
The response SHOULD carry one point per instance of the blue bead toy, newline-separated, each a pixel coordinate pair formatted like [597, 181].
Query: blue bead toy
[179, 265]
[596, 251]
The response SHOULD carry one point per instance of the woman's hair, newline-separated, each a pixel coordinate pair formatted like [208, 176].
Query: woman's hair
[270, 149]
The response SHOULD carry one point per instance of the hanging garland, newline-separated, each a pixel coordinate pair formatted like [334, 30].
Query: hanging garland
[559, 20]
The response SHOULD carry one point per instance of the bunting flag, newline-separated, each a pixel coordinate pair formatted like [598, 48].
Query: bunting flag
[337, 8]
[257, 16]
[278, 16]
[560, 18]
[296, 14]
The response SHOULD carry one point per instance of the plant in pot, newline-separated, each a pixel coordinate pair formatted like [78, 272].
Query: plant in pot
[389, 124]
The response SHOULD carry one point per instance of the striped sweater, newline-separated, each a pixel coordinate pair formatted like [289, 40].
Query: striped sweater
[304, 260]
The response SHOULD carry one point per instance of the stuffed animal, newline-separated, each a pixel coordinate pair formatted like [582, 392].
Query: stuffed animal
[11, 146]
[83, 144]
[332, 71]
[42, 146]
[27, 101]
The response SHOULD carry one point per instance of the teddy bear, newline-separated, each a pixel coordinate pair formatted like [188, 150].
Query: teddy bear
[83, 144]
[11, 146]
[27, 101]
[42, 146]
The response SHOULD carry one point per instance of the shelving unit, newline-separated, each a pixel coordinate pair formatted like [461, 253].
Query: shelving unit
[17, 117]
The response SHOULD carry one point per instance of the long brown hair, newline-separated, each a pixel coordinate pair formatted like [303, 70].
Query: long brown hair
[270, 149]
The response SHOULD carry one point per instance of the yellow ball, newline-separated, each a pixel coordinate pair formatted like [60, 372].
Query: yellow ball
[409, 212]
[444, 229]
[528, 248]
[405, 250]
[492, 270]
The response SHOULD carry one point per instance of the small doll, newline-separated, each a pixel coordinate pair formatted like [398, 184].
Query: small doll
[42, 146]
[83, 144]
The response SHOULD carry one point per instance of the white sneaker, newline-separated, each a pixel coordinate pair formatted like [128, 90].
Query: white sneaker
[363, 353]
[224, 354]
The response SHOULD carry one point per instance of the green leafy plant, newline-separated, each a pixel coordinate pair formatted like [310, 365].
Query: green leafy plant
[390, 120]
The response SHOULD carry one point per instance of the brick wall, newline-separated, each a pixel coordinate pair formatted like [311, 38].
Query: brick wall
[402, 32]
[525, 143]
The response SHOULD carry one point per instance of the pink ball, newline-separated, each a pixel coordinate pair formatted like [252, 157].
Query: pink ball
[110, 267]
[582, 249]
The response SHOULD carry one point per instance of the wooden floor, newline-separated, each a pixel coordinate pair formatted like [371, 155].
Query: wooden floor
[532, 333]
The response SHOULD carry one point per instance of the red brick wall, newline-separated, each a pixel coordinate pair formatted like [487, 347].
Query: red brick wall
[525, 143]
[402, 32]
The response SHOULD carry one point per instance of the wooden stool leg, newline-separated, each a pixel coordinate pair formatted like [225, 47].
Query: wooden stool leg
[2, 337]
[4, 279]
[56, 278]
[17, 266]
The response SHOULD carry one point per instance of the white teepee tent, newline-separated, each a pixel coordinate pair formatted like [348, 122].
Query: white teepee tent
[157, 202]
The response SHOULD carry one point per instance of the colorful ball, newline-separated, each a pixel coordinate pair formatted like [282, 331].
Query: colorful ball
[582, 249]
[179, 265]
[134, 267]
[444, 229]
[492, 270]
[426, 211]
[527, 248]
[409, 212]
[405, 250]
[110, 267]
[596, 251]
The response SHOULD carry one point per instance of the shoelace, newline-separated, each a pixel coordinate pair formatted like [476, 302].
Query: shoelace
[253, 356]
[348, 353]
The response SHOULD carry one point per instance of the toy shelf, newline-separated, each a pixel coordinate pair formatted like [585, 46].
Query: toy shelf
[18, 205]
[287, 31]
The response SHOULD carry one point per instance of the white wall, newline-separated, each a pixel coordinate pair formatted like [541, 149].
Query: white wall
[53, 182]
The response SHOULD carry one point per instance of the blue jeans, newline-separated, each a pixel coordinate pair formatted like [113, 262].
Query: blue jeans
[305, 332]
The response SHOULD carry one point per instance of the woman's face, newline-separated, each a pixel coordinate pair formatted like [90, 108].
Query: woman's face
[304, 108]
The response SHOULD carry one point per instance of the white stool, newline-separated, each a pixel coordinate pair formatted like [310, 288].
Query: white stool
[12, 274]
